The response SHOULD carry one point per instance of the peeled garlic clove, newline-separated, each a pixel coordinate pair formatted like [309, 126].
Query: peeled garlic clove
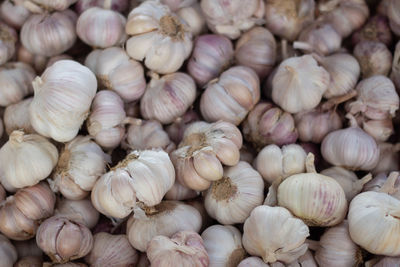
[299, 83]
[180, 192]
[165, 219]
[72, 87]
[273, 162]
[261, 238]
[78, 210]
[49, 34]
[40, 157]
[14, 13]
[380, 130]
[256, 49]
[212, 53]
[376, 29]
[116, 5]
[53, 4]
[63, 239]
[388, 158]
[350, 148]
[7, 42]
[393, 13]
[80, 164]
[224, 245]
[168, 97]
[232, 96]
[8, 253]
[185, 247]
[111, 250]
[252, 262]
[374, 57]
[158, 37]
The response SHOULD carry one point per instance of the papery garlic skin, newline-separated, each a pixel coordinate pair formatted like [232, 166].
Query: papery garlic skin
[14, 13]
[374, 223]
[49, 34]
[8, 253]
[25, 160]
[53, 4]
[194, 18]
[116, 71]
[224, 245]
[299, 83]
[63, 95]
[212, 53]
[273, 162]
[158, 37]
[376, 29]
[8, 40]
[380, 130]
[63, 239]
[260, 234]
[231, 199]
[111, 250]
[78, 210]
[168, 97]
[180, 192]
[393, 13]
[117, 5]
[165, 219]
[232, 96]
[80, 164]
[374, 58]
[185, 247]
[230, 18]
[15, 82]
[101, 28]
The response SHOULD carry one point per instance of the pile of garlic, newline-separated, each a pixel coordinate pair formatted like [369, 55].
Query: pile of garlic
[199, 133]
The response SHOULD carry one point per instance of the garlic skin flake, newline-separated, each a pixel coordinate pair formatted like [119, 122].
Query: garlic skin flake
[63, 95]
[158, 37]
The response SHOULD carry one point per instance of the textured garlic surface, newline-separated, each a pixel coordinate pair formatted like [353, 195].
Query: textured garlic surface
[16, 117]
[8, 253]
[8, 39]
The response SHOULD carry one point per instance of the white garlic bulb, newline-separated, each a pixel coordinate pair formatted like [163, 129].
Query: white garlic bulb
[16, 116]
[315, 198]
[224, 245]
[393, 13]
[350, 148]
[307, 260]
[299, 83]
[81, 211]
[8, 38]
[165, 219]
[80, 164]
[273, 162]
[231, 96]
[116, 71]
[377, 98]
[180, 192]
[8, 253]
[185, 247]
[230, 18]
[25, 160]
[231, 199]
[15, 82]
[52, 4]
[14, 13]
[395, 73]
[168, 97]
[63, 95]
[158, 37]
[274, 234]
[386, 262]
[49, 34]
[193, 17]
[252, 262]
[374, 57]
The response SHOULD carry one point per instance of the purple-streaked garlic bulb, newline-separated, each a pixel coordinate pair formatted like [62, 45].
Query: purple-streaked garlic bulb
[116, 5]
[374, 58]
[376, 29]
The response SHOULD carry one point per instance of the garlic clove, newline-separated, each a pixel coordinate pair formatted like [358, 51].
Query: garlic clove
[381, 130]
[214, 167]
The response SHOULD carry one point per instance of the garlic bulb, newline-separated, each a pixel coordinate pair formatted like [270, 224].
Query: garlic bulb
[348, 180]
[273, 162]
[185, 247]
[380, 130]
[388, 158]
[175, 5]
[232, 96]
[299, 83]
[15, 82]
[230, 18]
[106, 119]
[117, 5]
[16, 116]
[261, 238]
[111, 250]
[374, 57]
[224, 245]
[204, 148]
[252, 262]
[20, 214]
[393, 13]
[268, 124]
[395, 73]
[231, 199]
[39, 158]
[385, 182]
[8, 38]
[8, 253]
[101, 28]
[54, 59]
[28, 248]
[115, 71]
[350, 148]
[158, 37]
[180, 192]
[376, 29]
[315, 198]
[14, 13]
[336, 248]
[176, 129]
[30, 261]
[165, 219]
[72, 87]
[37, 62]
[143, 134]
[377, 98]
[307, 260]
[80, 164]
[212, 53]
[256, 49]
[49, 34]
[168, 97]
[387, 262]
[81, 211]
[3, 193]
[63, 239]
[51, 4]
[146, 175]
[194, 18]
